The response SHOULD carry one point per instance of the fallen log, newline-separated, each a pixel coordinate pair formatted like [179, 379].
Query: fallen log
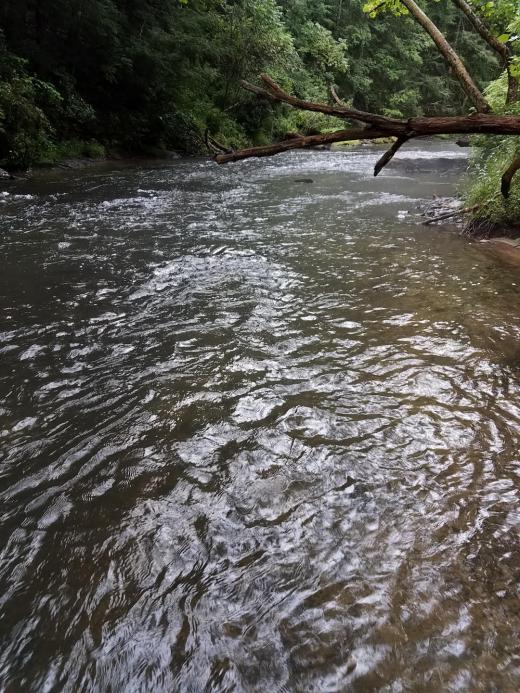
[376, 126]
[301, 143]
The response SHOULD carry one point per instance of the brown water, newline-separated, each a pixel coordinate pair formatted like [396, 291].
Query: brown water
[256, 434]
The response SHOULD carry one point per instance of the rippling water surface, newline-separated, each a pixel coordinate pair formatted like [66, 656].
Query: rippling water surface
[256, 434]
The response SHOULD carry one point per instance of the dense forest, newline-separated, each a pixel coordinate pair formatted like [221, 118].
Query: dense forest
[82, 78]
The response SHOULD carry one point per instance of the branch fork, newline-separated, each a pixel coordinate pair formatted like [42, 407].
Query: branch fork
[373, 126]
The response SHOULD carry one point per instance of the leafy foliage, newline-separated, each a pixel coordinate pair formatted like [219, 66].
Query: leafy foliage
[135, 74]
[25, 130]
[493, 155]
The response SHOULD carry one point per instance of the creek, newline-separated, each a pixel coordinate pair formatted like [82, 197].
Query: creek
[259, 431]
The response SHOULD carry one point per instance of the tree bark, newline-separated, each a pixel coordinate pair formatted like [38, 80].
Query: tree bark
[301, 143]
[508, 177]
[483, 29]
[273, 92]
[390, 153]
[450, 55]
[477, 123]
[482, 124]
[500, 48]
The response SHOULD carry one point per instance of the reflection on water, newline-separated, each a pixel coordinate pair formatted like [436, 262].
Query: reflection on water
[256, 435]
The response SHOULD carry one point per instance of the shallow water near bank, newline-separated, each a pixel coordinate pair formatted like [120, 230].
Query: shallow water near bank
[256, 434]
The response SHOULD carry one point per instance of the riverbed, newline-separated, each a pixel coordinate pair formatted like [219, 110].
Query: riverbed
[259, 431]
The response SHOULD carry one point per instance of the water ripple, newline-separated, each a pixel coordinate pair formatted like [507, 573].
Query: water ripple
[256, 435]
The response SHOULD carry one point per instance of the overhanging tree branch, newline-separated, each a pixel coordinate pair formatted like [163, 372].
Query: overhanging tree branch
[377, 126]
[389, 154]
[274, 92]
[301, 143]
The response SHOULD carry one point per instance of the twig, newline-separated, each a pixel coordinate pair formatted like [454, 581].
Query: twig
[455, 213]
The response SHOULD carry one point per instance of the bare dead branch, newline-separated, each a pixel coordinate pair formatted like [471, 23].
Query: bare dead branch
[505, 186]
[389, 154]
[478, 123]
[375, 126]
[340, 101]
[336, 98]
[301, 143]
[212, 144]
[274, 92]
[500, 48]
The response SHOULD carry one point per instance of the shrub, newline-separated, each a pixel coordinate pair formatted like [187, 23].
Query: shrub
[25, 131]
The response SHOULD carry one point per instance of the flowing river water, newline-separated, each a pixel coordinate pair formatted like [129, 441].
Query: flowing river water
[259, 431]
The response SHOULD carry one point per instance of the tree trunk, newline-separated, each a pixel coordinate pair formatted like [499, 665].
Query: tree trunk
[483, 30]
[450, 55]
[500, 48]
[508, 176]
